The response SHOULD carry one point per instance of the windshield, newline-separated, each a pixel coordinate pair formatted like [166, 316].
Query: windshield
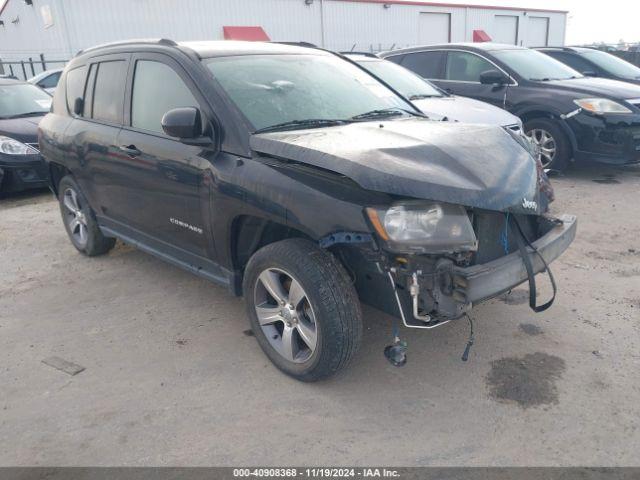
[276, 89]
[23, 99]
[404, 81]
[535, 66]
[613, 64]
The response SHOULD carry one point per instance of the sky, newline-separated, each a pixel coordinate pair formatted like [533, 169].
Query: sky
[589, 20]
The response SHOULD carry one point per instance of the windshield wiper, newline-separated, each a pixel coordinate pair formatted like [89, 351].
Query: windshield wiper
[420, 96]
[26, 114]
[307, 123]
[386, 112]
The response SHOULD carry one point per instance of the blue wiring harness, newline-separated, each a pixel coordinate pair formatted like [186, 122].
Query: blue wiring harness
[504, 236]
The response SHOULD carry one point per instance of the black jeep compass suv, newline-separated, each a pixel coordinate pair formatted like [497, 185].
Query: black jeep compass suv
[299, 181]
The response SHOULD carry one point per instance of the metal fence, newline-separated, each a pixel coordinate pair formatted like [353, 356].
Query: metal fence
[24, 69]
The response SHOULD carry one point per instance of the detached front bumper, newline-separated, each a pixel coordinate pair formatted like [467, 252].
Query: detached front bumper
[481, 282]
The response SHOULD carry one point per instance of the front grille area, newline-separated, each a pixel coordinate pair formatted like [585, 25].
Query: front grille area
[490, 228]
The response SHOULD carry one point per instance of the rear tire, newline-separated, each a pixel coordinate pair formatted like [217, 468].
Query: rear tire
[548, 135]
[303, 309]
[80, 221]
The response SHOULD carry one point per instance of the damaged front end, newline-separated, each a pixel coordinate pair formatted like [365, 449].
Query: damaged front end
[467, 219]
[432, 288]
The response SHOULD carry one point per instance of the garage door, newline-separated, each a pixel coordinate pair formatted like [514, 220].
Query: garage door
[434, 28]
[505, 29]
[538, 32]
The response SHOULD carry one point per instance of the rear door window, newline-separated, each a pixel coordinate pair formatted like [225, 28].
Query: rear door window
[157, 88]
[466, 67]
[426, 64]
[108, 92]
[75, 83]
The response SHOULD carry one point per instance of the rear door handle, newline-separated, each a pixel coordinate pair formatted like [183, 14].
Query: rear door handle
[130, 150]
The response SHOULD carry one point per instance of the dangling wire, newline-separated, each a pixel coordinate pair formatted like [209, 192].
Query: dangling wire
[465, 355]
[504, 236]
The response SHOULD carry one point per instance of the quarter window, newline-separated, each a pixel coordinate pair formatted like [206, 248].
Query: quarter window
[157, 88]
[466, 67]
[75, 82]
[108, 93]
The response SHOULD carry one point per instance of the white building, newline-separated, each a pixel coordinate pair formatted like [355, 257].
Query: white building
[57, 29]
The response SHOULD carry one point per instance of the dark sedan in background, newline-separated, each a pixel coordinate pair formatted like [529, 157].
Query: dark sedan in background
[595, 63]
[22, 106]
[568, 115]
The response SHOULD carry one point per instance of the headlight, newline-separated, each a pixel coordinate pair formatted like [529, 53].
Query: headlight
[601, 105]
[424, 227]
[10, 146]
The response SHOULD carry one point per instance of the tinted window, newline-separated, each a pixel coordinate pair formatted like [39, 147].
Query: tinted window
[108, 93]
[157, 88]
[466, 67]
[574, 61]
[50, 81]
[425, 64]
[395, 59]
[75, 85]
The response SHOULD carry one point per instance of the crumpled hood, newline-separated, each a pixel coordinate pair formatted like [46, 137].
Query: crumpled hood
[479, 166]
[22, 129]
[462, 109]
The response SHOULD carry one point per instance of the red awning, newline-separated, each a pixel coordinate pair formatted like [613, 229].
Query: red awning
[252, 34]
[481, 36]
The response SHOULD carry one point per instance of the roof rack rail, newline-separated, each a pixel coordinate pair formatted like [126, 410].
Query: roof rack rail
[150, 41]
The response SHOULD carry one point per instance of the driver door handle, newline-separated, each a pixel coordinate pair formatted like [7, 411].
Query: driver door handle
[130, 150]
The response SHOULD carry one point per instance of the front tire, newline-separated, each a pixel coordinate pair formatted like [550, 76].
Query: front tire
[80, 221]
[303, 309]
[553, 143]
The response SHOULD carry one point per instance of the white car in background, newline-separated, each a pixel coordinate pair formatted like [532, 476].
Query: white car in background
[47, 80]
[432, 101]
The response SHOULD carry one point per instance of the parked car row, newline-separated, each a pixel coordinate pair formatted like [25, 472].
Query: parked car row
[568, 115]
[477, 84]
[300, 181]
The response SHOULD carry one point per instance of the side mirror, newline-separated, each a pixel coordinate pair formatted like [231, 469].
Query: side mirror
[184, 123]
[589, 73]
[78, 106]
[493, 77]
